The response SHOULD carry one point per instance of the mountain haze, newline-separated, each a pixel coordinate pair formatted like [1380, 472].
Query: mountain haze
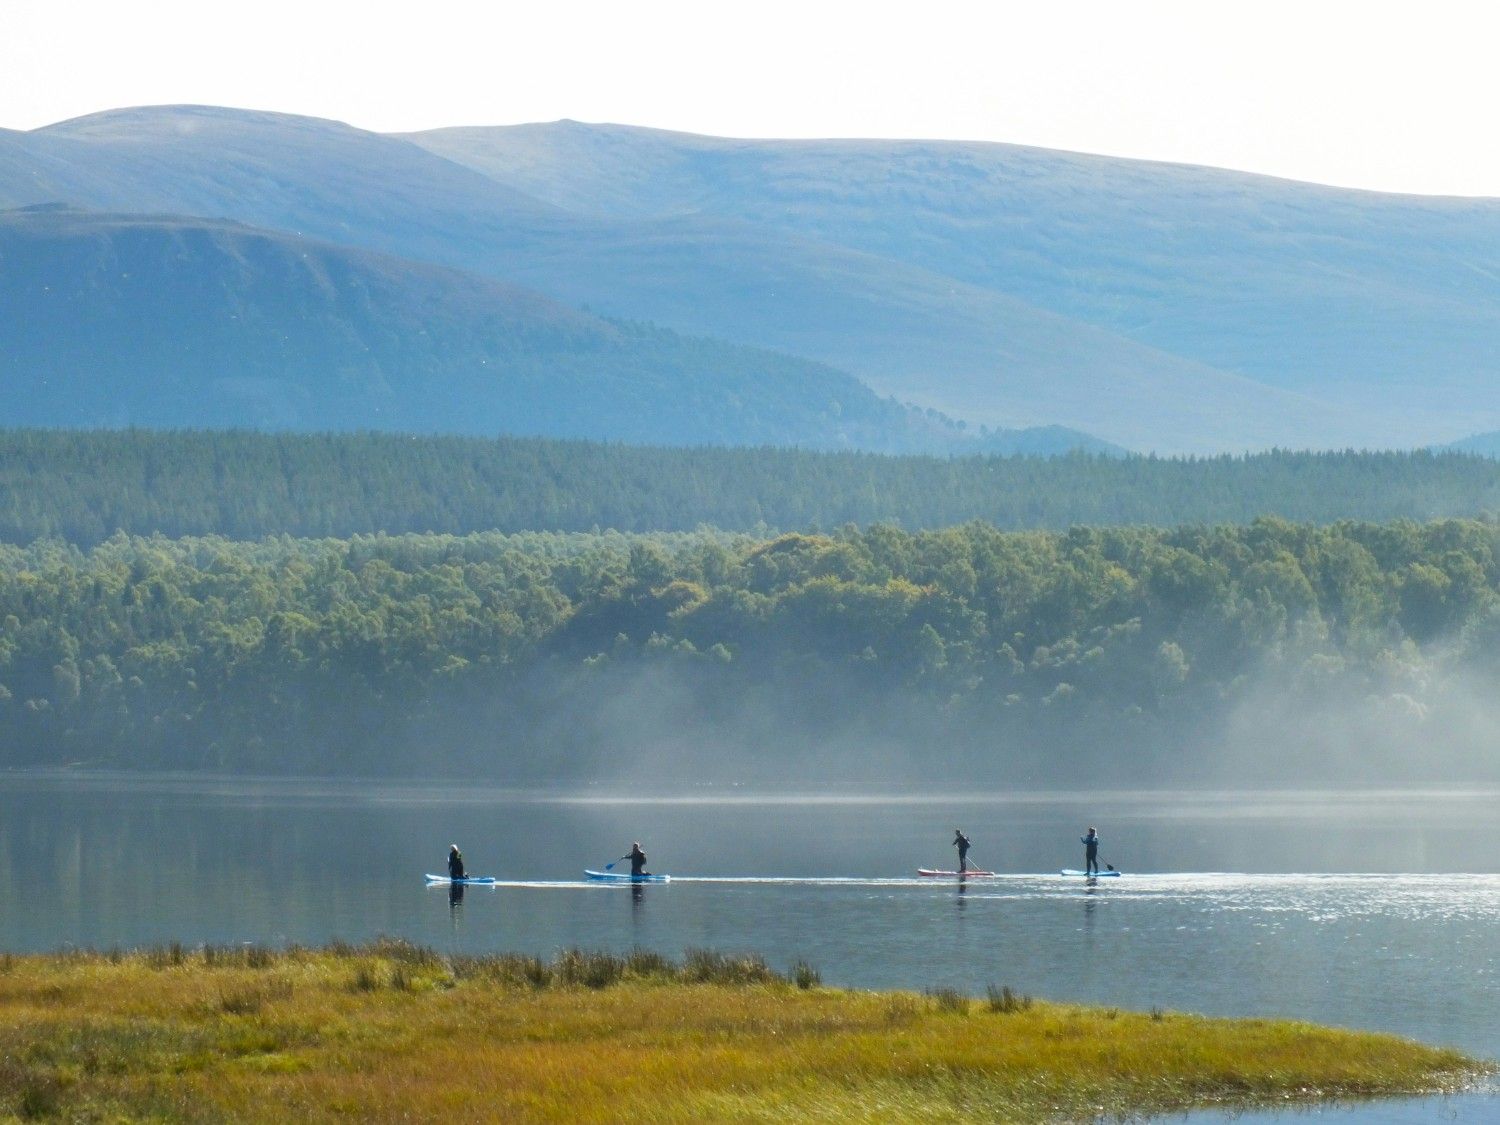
[909, 332]
[1162, 307]
[185, 322]
[1483, 445]
[1323, 291]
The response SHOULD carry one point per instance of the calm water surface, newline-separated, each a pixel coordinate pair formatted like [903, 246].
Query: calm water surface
[1374, 910]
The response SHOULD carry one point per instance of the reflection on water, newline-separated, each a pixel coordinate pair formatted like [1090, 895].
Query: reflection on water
[1361, 910]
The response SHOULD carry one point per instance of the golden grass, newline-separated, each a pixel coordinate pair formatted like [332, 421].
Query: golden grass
[389, 1032]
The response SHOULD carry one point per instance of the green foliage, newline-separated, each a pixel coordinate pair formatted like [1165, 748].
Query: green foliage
[83, 486]
[550, 655]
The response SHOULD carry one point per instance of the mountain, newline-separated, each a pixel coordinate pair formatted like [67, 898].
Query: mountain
[908, 330]
[1481, 445]
[298, 174]
[1347, 296]
[184, 322]
[1161, 307]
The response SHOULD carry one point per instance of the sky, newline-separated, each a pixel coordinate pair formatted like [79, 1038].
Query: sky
[1391, 97]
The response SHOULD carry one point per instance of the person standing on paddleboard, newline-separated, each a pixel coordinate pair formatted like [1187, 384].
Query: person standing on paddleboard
[637, 861]
[1090, 851]
[961, 842]
[455, 862]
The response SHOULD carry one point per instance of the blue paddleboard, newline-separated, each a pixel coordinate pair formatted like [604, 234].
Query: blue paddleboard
[467, 879]
[611, 877]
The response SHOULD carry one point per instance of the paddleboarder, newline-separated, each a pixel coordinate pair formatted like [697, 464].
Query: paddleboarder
[1090, 851]
[961, 842]
[637, 861]
[455, 862]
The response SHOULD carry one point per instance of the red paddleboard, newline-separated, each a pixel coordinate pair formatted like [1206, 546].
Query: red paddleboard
[929, 873]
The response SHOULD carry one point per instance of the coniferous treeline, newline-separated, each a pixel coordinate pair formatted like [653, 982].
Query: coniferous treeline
[970, 653]
[82, 486]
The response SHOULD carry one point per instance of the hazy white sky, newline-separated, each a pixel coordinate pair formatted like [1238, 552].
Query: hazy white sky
[1400, 97]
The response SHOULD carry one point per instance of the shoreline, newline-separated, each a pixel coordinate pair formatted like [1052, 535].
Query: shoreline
[389, 1030]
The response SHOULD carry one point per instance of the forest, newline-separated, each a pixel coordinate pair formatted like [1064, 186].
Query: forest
[83, 486]
[1254, 653]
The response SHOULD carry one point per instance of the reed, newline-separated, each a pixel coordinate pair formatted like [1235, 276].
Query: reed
[388, 1031]
[950, 1000]
[805, 976]
[1005, 999]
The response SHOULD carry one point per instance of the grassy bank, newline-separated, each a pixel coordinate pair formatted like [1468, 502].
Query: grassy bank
[388, 1032]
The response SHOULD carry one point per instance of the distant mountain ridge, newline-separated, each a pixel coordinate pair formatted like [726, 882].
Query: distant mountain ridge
[710, 276]
[185, 322]
[1192, 261]
[1161, 307]
[1481, 445]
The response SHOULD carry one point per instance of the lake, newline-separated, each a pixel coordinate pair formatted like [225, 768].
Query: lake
[1378, 910]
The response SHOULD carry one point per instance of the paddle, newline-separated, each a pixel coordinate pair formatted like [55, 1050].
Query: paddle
[611, 866]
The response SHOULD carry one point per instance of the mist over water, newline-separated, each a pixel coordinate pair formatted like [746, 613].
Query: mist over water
[1421, 717]
[1306, 714]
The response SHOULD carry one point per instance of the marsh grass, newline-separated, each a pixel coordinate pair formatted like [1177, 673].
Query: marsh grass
[596, 970]
[366, 977]
[901, 1009]
[166, 957]
[1004, 999]
[35, 1093]
[950, 1000]
[514, 970]
[391, 1031]
[805, 976]
[250, 999]
[239, 956]
[705, 966]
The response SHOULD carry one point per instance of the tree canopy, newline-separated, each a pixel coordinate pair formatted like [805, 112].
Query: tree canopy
[1015, 656]
[82, 486]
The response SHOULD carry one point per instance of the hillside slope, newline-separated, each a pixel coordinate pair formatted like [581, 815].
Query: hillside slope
[1344, 295]
[172, 321]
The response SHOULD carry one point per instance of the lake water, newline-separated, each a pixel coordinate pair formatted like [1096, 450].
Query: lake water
[1373, 910]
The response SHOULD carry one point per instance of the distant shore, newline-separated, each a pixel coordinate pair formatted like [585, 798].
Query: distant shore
[391, 1031]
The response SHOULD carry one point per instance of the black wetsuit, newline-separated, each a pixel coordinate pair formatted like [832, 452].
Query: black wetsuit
[455, 865]
[1091, 853]
[637, 863]
[961, 842]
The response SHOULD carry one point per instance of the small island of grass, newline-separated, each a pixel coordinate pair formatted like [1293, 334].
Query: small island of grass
[390, 1031]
